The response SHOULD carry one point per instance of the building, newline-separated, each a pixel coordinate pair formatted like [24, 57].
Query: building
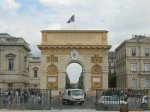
[111, 62]
[14, 62]
[59, 48]
[34, 73]
[133, 63]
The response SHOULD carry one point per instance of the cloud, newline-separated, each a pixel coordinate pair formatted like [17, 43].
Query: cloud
[122, 18]
[61, 2]
[9, 5]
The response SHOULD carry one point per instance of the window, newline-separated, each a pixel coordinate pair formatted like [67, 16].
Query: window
[147, 67]
[35, 86]
[10, 64]
[112, 64]
[133, 51]
[10, 85]
[147, 82]
[112, 70]
[146, 51]
[134, 67]
[134, 83]
[35, 73]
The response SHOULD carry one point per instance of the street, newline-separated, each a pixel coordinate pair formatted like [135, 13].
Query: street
[88, 104]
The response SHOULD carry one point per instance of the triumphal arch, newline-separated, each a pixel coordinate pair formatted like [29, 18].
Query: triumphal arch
[59, 48]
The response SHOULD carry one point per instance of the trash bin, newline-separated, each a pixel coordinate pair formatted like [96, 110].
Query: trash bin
[124, 108]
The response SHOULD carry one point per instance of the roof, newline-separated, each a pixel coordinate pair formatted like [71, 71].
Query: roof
[73, 89]
[138, 37]
[74, 31]
[6, 35]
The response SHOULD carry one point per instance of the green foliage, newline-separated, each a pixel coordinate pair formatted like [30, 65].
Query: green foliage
[112, 80]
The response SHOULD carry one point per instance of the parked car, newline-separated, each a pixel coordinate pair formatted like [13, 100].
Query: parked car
[113, 100]
[144, 101]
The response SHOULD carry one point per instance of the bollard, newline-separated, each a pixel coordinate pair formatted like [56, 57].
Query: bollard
[124, 108]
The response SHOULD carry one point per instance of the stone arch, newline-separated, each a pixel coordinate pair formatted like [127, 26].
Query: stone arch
[52, 70]
[96, 69]
[76, 61]
[35, 68]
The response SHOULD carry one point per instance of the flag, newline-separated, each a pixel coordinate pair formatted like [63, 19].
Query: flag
[71, 19]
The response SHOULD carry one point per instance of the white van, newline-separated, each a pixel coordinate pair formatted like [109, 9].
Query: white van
[72, 96]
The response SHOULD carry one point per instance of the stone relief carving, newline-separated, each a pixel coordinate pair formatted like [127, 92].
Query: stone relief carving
[96, 59]
[52, 70]
[74, 54]
[52, 59]
[96, 69]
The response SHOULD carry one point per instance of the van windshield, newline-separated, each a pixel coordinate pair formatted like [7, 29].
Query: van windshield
[77, 92]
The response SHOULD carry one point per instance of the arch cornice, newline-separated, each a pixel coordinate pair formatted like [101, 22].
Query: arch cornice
[10, 55]
[73, 46]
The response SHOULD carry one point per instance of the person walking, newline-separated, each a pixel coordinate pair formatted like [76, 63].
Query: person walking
[10, 101]
[5, 101]
[60, 98]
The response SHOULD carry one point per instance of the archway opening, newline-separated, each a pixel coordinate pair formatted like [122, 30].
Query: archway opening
[74, 76]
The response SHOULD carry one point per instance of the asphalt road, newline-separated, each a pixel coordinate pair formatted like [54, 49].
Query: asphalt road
[88, 104]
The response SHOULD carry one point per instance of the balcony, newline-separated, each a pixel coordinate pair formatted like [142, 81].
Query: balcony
[133, 54]
[145, 72]
[134, 72]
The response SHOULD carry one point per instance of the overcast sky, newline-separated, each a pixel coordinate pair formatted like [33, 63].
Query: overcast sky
[122, 18]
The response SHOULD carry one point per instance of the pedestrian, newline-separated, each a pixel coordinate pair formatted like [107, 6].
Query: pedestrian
[17, 97]
[10, 101]
[5, 101]
[39, 99]
[60, 98]
[21, 99]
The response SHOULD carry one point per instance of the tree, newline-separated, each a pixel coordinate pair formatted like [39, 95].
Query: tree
[112, 80]
[68, 85]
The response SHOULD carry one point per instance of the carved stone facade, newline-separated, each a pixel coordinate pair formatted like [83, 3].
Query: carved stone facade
[59, 48]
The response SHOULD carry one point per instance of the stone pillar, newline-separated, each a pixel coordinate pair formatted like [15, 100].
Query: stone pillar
[61, 81]
[148, 102]
[87, 81]
[43, 80]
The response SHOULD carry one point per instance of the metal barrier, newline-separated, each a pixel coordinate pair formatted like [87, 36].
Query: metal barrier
[31, 99]
[116, 99]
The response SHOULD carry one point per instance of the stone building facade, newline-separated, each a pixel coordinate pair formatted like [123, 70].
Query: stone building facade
[133, 63]
[59, 48]
[34, 71]
[14, 62]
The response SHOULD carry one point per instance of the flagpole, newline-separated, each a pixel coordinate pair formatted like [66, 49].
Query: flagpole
[74, 21]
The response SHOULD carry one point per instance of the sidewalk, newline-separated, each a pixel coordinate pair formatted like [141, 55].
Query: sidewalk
[64, 110]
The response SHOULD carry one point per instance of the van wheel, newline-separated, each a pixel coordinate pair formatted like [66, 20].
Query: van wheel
[144, 105]
[70, 103]
[80, 103]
